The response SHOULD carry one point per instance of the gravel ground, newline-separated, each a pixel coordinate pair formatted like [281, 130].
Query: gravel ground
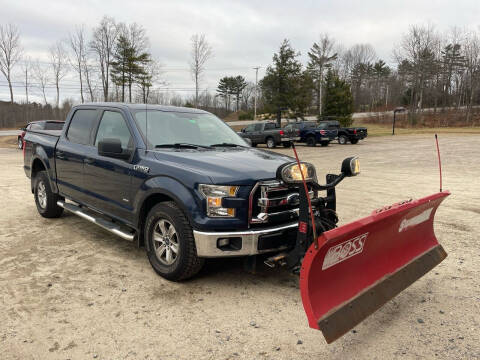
[72, 291]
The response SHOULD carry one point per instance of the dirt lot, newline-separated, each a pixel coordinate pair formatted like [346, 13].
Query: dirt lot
[72, 291]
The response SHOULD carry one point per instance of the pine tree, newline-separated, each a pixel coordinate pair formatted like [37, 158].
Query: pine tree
[122, 64]
[280, 84]
[338, 99]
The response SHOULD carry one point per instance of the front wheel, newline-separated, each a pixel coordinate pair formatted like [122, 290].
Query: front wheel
[171, 246]
[270, 143]
[45, 198]
[342, 139]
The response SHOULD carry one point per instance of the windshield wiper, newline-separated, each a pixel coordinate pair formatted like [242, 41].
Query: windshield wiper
[181, 146]
[227, 145]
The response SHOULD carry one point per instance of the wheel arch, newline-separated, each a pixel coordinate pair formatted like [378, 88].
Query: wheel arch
[152, 198]
[37, 166]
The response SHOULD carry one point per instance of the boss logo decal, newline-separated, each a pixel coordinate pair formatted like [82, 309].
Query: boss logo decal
[344, 250]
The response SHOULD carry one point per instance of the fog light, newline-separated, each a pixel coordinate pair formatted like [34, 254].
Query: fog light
[223, 242]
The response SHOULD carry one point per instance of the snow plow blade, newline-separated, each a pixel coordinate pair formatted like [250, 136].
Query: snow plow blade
[360, 266]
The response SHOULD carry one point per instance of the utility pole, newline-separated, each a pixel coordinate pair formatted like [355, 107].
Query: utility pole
[255, 97]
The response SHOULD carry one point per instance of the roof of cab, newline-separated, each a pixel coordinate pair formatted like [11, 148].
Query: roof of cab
[127, 106]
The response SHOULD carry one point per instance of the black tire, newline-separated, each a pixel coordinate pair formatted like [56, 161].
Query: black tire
[45, 199]
[20, 143]
[342, 139]
[311, 141]
[354, 141]
[324, 143]
[270, 142]
[186, 263]
[287, 144]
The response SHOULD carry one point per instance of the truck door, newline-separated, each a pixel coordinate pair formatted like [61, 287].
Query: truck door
[70, 153]
[108, 179]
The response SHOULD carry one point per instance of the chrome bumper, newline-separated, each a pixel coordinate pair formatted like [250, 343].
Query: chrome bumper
[207, 242]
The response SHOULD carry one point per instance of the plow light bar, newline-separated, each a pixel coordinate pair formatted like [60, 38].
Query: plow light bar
[351, 166]
[291, 173]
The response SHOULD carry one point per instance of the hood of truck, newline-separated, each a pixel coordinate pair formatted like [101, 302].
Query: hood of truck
[235, 166]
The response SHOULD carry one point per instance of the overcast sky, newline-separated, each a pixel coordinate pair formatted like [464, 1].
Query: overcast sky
[243, 34]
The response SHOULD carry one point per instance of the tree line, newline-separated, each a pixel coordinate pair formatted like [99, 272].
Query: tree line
[113, 62]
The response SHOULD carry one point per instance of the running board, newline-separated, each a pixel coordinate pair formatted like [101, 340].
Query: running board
[105, 224]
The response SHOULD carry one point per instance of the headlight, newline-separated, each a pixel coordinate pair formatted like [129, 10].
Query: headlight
[214, 195]
[292, 173]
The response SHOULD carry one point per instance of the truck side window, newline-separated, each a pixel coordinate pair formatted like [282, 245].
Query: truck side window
[250, 128]
[258, 127]
[81, 125]
[113, 125]
[269, 126]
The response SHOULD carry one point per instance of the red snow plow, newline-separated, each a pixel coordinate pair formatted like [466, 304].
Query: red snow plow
[349, 272]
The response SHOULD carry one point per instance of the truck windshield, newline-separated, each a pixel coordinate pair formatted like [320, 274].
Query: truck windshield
[164, 128]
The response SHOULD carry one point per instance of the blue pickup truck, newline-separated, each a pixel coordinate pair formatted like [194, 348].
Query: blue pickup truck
[309, 133]
[178, 181]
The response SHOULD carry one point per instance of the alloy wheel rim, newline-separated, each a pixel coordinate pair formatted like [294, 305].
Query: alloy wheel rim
[165, 242]
[42, 195]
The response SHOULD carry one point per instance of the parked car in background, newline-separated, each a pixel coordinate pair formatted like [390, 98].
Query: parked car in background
[265, 132]
[39, 125]
[310, 133]
[352, 134]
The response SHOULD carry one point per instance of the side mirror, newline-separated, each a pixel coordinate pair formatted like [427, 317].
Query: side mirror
[351, 166]
[248, 141]
[111, 147]
[243, 130]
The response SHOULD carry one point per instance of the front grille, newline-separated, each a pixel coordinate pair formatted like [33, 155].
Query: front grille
[272, 202]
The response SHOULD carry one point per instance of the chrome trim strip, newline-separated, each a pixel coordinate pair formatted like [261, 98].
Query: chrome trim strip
[206, 242]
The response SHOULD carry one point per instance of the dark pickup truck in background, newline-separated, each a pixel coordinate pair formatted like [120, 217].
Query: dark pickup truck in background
[352, 134]
[310, 133]
[178, 181]
[266, 132]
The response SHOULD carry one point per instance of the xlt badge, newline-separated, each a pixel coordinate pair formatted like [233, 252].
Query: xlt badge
[144, 169]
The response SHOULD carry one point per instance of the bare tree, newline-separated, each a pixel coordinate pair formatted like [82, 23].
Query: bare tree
[87, 71]
[416, 59]
[102, 44]
[42, 78]
[79, 47]
[58, 61]
[10, 52]
[200, 54]
[472, 57]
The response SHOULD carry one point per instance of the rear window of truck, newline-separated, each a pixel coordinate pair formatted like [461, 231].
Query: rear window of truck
[81, 126]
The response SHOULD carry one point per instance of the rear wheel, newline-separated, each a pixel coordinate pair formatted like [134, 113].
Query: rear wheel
[270, 143]
[20, 143]
[45, 198]
[171, 246]
[342, 139]
[311, 141]
[354, 141]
